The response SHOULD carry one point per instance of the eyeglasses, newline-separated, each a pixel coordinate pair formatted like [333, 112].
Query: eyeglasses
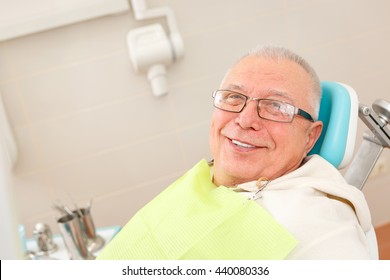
[269, 109]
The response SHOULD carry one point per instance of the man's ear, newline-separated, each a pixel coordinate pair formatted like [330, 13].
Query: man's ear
[313, 133]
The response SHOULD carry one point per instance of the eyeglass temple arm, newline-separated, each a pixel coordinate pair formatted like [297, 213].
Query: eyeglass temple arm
[376, 120]
[304, 114]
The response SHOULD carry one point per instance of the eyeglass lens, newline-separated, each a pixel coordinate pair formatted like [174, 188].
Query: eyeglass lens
[267, 108]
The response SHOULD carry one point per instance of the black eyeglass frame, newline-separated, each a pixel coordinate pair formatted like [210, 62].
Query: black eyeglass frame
[297, 111]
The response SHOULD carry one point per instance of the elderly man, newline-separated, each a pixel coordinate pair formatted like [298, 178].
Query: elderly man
[261, 197]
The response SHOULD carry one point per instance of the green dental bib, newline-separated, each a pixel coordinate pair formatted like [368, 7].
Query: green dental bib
[193, 219]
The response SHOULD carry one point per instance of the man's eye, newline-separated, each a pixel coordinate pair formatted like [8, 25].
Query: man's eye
[234, 99]
[275, 106]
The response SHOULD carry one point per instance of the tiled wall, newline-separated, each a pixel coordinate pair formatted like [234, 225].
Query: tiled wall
[88, 127]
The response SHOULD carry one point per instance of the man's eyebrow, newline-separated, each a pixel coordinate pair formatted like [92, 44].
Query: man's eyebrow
[234, 87]
[270, 91]
[279, 94]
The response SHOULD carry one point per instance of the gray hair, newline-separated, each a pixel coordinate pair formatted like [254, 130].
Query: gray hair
[280, 53]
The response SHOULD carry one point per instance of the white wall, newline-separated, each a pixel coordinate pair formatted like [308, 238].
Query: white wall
[87, 125]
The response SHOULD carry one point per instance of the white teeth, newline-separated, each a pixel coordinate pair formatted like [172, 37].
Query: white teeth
[238, 143]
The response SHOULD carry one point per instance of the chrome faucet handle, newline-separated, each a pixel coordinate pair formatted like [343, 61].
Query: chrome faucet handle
[44, 238]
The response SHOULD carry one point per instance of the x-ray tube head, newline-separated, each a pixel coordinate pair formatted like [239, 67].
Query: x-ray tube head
[151, 52]
[158, 79]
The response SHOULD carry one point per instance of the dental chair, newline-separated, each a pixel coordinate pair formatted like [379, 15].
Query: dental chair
[339, 111]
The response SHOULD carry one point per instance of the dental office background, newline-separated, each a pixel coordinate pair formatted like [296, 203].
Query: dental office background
[83, 124]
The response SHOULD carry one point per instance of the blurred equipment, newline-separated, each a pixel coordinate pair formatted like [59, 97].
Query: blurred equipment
[44, 237]
[151, 50]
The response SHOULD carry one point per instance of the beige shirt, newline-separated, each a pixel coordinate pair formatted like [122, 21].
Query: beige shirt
[329, 217]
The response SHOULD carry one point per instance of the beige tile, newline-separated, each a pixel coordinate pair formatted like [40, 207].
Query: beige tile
[198, 16]
[192, 102]
[32, 195]
[80, 86]
[335, 20]
[373, 85]
[344, 61]
[122, 168]
[297, 4]
[195, 141]
[118, 207]
[6, 69]
[69, 44]
[213, 51]
[13, 104]
[29, 158]
[103, 128]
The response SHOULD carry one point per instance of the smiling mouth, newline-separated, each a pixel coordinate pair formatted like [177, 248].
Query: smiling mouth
[240, 144]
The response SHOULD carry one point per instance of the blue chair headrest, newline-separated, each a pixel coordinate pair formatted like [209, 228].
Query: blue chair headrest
[339, 114]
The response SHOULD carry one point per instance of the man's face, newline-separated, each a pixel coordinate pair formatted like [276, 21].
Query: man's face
[246, 147]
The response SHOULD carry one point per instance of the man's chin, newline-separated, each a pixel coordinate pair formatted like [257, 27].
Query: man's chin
[238, 174]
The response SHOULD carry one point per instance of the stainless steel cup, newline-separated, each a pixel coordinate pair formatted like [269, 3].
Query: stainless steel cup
[94, 241]
[74, 237]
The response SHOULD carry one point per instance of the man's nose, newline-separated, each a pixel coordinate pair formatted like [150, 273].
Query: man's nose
[249, 118]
